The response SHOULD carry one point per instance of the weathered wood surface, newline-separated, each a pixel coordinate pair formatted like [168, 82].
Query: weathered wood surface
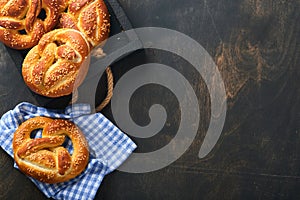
[256, 46]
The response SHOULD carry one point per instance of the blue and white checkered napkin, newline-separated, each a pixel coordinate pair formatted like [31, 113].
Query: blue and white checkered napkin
[109, 147]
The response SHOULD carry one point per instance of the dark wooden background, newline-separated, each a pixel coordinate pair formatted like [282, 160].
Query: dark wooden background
[256, 46]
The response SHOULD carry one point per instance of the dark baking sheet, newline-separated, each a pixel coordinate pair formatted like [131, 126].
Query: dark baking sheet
[11, 62]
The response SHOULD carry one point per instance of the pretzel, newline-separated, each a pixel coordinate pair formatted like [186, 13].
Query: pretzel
[45, 159]
[58, 64]
[88, 16]
[24, 22]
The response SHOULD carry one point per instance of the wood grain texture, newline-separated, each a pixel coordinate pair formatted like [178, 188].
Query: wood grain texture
[256, 47]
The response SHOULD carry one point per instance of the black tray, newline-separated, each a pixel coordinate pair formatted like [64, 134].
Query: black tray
[13, 89]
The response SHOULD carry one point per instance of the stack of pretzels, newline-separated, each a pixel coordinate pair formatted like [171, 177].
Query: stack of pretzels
[60, 35]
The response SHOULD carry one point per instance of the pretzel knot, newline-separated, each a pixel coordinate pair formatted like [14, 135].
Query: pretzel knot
[88, 16]
[45, 159]
[58, 64]
[23, 22]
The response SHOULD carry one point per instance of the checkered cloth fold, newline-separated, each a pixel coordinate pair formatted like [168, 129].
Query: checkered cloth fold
[109, 147]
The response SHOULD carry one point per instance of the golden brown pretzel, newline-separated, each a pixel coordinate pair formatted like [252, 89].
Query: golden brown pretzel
[91, 17]
[58, 64]
[22, 23]
[45, 159]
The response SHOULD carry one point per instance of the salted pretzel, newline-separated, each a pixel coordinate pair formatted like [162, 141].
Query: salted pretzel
[45, 158]
[57, 64]
[91, 17]
[24, 22]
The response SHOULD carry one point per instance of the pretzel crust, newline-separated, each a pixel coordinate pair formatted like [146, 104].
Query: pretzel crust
[58, 64]
[21, 25]
[45, 159]
[90, 17]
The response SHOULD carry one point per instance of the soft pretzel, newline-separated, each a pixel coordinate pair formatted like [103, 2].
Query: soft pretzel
[23, 23]
[45, 158]
[88, 16]
[58, 64]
